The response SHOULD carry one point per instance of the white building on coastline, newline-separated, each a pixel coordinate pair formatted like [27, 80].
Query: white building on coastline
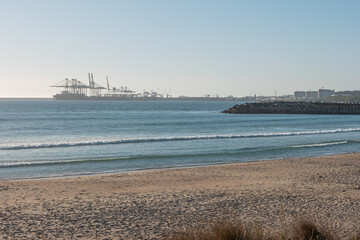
[313, 95]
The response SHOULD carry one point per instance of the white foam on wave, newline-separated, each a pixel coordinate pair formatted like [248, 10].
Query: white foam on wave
[38, 163]
[166, 139]
[320, 144]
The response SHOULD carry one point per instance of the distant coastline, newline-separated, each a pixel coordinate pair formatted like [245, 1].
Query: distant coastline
[135, 99]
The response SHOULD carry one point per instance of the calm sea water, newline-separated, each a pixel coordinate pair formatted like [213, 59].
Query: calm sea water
[45, 138]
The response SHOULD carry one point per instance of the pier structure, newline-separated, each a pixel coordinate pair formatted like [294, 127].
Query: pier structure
[72, 86]
[74, 89]
[283, 107]
[118, 92]
[95, 89]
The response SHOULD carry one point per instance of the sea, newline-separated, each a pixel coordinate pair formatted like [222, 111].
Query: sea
[50, 139]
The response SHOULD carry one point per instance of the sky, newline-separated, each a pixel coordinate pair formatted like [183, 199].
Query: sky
[187, 47]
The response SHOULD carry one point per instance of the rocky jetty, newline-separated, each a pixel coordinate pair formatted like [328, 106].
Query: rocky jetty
[283, 107]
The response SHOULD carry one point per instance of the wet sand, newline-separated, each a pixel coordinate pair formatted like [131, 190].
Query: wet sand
[152, 204]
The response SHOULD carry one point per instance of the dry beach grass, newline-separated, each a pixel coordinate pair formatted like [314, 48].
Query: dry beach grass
[155, 204]
[300, 230]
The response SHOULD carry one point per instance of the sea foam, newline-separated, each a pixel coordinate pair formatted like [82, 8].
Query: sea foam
[168, 139]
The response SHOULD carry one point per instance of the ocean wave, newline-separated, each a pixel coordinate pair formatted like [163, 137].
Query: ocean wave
[236, 154]
[319, 144]
[167, 139]
[58, 162]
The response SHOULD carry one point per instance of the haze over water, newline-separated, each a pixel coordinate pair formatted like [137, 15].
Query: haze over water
[46, 138]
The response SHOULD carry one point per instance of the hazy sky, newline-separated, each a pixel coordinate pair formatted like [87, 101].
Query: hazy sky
[191, 47]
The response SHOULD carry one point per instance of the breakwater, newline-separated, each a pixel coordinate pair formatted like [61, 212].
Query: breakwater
[282, 107]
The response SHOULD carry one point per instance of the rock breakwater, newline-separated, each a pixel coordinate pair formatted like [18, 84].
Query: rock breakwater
[283, 107]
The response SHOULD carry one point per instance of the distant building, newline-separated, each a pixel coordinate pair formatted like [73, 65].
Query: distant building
[299, 95]
[324, 93]
[311, 95]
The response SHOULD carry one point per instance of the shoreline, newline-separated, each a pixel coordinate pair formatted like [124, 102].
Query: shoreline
[151, 204]
[138, 170]
[107, 173]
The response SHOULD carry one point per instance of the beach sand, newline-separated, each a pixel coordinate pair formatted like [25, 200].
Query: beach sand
[152, 204]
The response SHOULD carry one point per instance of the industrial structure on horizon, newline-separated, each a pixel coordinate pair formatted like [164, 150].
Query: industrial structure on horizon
[74, 89]
[313, 95]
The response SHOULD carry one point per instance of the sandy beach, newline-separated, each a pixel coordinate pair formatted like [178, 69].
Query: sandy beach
[152, 204]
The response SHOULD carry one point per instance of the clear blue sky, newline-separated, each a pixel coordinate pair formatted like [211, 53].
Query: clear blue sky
[192, 47]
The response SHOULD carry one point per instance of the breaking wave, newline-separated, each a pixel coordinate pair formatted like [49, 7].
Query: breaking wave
[320, 144]
[234, 154]
[168, 139]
